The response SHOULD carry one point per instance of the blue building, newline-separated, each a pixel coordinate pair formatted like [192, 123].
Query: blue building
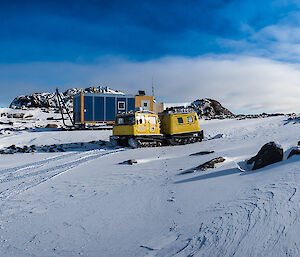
[98, 107]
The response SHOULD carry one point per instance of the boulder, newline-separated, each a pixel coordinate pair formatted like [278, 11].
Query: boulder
[16, 115]
[210, 164]
[202, 153]
[295, 151]
[51, 126]
[131, 162]
[28, 116]
[6, 123]
[270, 153]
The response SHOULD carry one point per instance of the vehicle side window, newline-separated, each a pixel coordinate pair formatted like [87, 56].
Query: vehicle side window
[152, 120]
[140, 120]
[190, 119]
[120, 121]
[180, 120]
[131, 120]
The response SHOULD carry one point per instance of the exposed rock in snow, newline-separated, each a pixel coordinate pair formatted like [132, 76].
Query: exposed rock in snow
[6, 123]
[51, 126]
[49, 100]
[210, 164]
[131, 162]
[255, 116]
[12, 149]
[210, 108]
[202, 153]
[270, 153]
[16, 115]
[204, 166]
[295, 151]
[28, 118]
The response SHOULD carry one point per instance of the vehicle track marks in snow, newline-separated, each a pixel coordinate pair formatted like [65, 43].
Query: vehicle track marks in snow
[263, 224]
[35, 173]
[295, 190]
[38, 163]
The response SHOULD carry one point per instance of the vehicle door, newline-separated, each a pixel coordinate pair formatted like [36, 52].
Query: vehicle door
[153, 125]
[141, 125]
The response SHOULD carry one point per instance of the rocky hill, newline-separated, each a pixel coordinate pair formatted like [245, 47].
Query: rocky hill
[49, 100]
[209, 108]
[206, 108]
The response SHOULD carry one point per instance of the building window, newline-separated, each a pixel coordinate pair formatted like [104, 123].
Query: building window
[145, 104]
[121, 106]
[180, 120]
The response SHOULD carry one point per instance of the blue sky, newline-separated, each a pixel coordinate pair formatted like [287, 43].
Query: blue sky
[49, 44]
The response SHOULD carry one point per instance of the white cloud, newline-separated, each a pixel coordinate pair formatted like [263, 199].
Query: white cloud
[279, 41]
[240, 83]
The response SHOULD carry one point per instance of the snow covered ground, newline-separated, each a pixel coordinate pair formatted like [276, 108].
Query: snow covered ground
[82, 202]
[28, 118]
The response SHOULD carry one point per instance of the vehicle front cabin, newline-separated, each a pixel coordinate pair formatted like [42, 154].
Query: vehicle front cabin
[136, 124]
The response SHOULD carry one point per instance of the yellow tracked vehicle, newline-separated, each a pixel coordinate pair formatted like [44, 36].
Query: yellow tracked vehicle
[180, 126]
[143, 128]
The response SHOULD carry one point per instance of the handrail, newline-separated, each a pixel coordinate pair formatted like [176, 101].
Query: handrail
[62, 106]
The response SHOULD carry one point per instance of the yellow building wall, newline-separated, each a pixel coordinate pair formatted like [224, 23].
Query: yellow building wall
[139, 98]
[158, 107]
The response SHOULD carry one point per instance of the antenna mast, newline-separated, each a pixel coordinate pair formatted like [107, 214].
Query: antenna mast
[152, 88]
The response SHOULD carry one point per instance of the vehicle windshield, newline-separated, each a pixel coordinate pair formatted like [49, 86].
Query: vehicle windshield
[125, 120]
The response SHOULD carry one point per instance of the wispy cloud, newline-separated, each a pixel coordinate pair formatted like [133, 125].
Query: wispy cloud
[278, 41]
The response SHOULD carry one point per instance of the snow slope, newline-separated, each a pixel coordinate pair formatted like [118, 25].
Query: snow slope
[84, 203]
[30, 118]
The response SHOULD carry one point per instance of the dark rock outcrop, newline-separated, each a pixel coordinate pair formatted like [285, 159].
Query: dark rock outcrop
[295, 151]
[202, 153]
[270, 153]
[131, 162]
[207, 165]
[16, 115]
[210, 164]
[49, 100]
[51, 126]
[209, 108]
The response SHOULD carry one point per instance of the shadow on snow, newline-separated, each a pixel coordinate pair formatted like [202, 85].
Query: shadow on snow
[210, 175]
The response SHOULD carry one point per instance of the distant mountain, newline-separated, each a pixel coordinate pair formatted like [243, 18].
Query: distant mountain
[48, 100]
